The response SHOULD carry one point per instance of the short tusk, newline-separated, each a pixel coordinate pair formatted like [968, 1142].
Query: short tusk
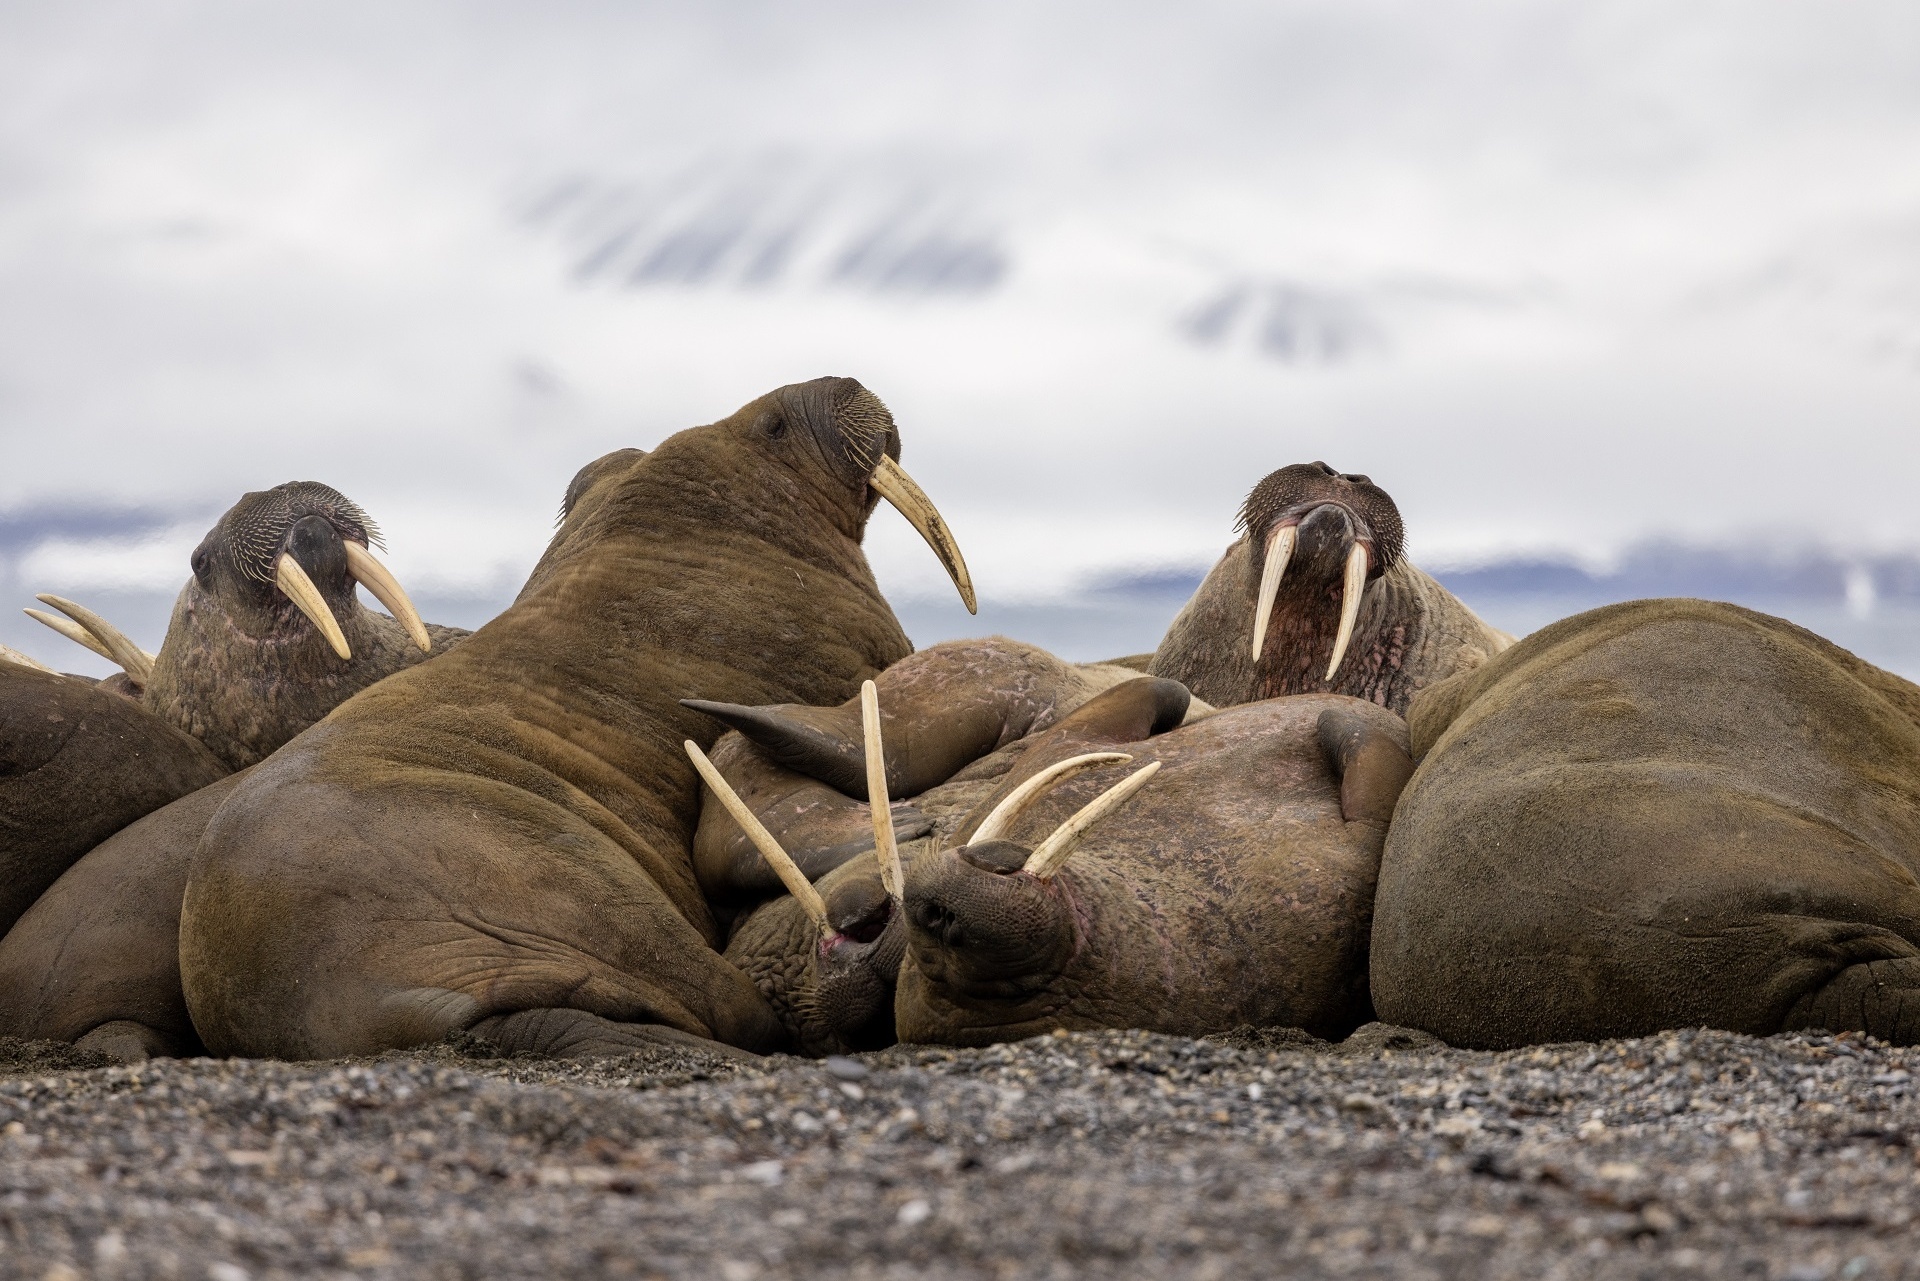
[885, 848]
[8, 654]
[778, 859]
[1053, 852]
[1356, 587]
[113, 643]
[1279, 552]
[307, 599]
[1003, 815]
[378, 579]
[891, 482]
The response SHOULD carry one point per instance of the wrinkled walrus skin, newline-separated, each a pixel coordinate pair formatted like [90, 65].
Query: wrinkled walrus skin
[500, 839]
[1235, 888]
[96, 959]
[77, 764]
[1410, 631]
[1662, 814]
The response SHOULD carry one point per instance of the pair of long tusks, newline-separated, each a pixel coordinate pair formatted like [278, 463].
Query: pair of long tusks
[1052, 852]
[371, 574]
[1002, 816]
[892, 483]
[778, 859]
[885, 848]
[97, 634]
[1280, 546]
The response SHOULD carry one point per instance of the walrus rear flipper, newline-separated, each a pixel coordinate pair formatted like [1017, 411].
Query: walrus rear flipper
[1880, 998]
[576, 1034]
[1373, 769]
[126, 1041]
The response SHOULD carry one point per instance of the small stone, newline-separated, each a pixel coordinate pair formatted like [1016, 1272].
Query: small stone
[847, 1069]
[765, 1173]
[914, 1213]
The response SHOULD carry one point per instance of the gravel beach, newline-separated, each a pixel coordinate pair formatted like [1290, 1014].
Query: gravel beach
[1258, 1153]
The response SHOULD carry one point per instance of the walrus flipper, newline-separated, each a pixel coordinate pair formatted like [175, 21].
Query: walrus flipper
[815, 741]
[575, 1034]
[1880, 998]
[1372, 767]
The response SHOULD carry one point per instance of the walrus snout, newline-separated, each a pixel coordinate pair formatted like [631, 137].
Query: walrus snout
[975, 920]
[859, 966]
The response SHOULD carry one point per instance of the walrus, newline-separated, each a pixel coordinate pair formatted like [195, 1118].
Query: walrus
[1317, 596]
[77, 764]
[267, 636]
[1660, 814]
[1236, 888]
[958, 716]
[499, 840]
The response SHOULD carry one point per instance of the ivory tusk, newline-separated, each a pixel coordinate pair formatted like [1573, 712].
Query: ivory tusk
[378, 579]
[885, 847]
[8, 654]
[114, 643]
[1003, 815]
[1355, 588]
[891, 482]
[69, 629]
[1053, 852]
[778, 859]
[1279, 552]
[293, 580]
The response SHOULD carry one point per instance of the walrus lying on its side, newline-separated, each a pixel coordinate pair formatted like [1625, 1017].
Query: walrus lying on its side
[1316, 596]
[1662, 814]
[500, 840]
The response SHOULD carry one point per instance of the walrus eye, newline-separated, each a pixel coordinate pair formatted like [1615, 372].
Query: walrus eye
[774, 426]
[202, 563]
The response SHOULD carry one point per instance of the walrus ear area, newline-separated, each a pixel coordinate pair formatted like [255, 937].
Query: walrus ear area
[1129, 712]
[1371, 767]
[593, 473]
[815, 741]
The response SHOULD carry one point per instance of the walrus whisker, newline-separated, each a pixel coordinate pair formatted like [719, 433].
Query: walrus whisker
[778, 859]
[1003, 815]
[1356, 586]
[886, 849]
[378, 579]
[293, 580]
[8, 654]
[69, 629]
[891, 482]
[1279, 552]
[136, 662]
[1052, 852]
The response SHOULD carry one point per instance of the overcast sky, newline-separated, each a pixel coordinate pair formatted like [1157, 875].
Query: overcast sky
[1558, 276]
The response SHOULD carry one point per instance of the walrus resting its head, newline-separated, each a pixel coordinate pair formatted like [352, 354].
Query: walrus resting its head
[500, 840]
[267, 636]
[1235, 887]
[1661, 814]
[1317, 596]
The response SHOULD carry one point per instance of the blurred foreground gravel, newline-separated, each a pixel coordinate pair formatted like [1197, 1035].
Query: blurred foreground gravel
[1255, 1154]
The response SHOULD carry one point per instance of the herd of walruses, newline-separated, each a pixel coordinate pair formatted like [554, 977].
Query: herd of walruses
[695, 786]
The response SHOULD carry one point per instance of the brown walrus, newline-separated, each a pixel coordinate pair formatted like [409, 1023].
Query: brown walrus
[1236, 888]
[500, 840]
[77, 764]
[1661, 814]
[268, 635]
[1317, 596]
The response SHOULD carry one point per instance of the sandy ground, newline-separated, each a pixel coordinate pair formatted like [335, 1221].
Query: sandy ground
[1689, 1154]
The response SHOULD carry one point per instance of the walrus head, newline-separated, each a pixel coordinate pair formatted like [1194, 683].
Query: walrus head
[1319, 539]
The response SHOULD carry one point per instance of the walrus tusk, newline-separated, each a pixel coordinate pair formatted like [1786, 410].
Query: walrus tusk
[378, 579]
[886, 849]
[891, 482]
[1356, 587]
[8, 654]
[782, 864]
[69, 629]
[1279, 552]
[1003, 815]
[113, 643]
[1053, 851]
[293, 580]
